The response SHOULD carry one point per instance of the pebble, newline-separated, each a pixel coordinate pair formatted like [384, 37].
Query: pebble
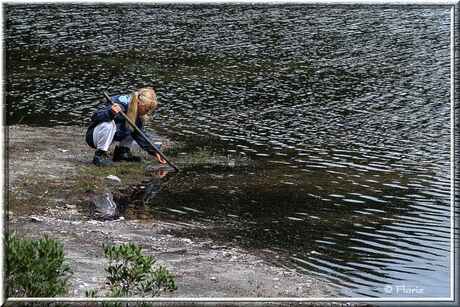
[177, 251]
[36, 219]
[93, 222]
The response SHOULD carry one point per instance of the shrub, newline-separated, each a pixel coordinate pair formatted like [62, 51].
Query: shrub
[35, 268]
[131, 273]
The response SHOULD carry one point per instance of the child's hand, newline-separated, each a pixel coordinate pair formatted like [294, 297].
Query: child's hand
[116, 109]
[160, 159]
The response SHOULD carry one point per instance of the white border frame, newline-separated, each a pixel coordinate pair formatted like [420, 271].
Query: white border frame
[452, 149]
[454, 6]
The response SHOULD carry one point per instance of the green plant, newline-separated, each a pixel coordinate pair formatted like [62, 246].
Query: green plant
[91, 293]
[131, 273]
[36, 268]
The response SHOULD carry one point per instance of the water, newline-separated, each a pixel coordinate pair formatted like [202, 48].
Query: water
[344, 109]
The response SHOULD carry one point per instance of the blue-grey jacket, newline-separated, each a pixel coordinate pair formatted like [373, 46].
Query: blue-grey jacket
[105, 114]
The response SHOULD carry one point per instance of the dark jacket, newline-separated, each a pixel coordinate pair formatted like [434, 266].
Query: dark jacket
[105, 114]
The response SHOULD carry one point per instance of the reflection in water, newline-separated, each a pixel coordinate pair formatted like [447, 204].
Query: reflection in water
[153, 186]
[345, 111]
[143, 194]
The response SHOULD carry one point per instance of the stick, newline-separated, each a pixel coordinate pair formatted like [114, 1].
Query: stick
[142, 134]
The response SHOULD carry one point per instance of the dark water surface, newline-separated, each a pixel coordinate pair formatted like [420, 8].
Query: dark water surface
[345, 111]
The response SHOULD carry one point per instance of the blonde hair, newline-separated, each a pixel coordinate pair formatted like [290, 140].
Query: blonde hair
[145, 96]
[148, 97]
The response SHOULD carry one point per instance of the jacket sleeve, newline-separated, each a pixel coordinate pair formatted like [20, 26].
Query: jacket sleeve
[104, 114]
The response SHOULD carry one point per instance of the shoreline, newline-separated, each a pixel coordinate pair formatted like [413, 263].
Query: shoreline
[43, 167]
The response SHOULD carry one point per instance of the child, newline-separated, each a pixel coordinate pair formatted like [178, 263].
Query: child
[107, 125]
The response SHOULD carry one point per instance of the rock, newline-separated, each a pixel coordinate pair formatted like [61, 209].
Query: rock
[213, 278]
[113, 178]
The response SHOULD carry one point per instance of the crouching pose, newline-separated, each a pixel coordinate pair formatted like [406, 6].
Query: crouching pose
[108, 126]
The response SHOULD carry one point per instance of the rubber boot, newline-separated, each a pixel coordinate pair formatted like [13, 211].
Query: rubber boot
[101, 158]
[124, 154]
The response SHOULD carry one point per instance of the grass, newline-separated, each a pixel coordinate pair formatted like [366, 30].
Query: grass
[34, 194]
[92, 178]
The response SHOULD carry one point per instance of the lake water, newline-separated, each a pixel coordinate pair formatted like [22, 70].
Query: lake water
[344, 109]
